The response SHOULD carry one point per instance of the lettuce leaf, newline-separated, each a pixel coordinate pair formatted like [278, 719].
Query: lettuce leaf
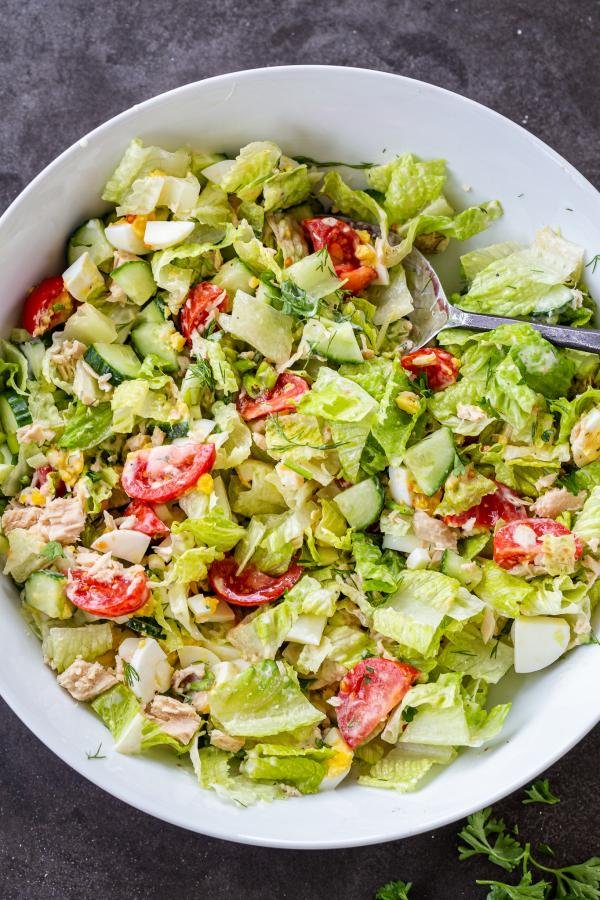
[214, 770]
[357, 204]
[215, 530]
[62, 646]
[409, 184]
[253, 165]
[138, 161]
[262, 701]
[337, 399]
[378, 571]
[302, 767]
[286, 188]
[502, 591]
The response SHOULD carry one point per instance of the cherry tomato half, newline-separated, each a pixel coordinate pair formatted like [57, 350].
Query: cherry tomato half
[146, 519]
[439, 367]
[123, 595]
[164, 473]
[251, 587]
[41, 476]
[356, 279]
[279, 399]
[200, 302]
[47, 305]
[522, 541]
[342, 242]
[368, 693]
[502, 504]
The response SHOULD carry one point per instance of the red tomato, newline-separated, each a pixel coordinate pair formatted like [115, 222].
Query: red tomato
[164, 473]
[439, 367]
[279, 399]
[40, 477]
[146, 519]
[342, 242]
[368, 692]
[200, 302]
[356, 279]
[502, 504]
[252, 587]
[521, 542]
[123, 595]
[47, 305]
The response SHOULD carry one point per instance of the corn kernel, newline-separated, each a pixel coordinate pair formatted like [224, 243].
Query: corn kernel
[366, 254]
[408, 402]
[364, 235]
[427, 504]
[205, 483]
[254, 282]
[177, 341]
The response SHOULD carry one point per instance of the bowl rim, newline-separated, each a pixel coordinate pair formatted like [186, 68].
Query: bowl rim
[11, 695]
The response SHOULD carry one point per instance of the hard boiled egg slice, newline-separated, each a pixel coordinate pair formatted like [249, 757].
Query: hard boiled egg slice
[124, 544]
[539, 641]
[151, 670]
[400, 488]
[339, 764]
[123, 236]
[160, 235]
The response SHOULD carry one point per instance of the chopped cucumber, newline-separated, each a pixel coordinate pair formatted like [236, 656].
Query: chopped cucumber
[135, 278]
[315, 274]
[234, 276]
[88, 324]
[149, 338]
[431, 460]
[332, 340]
[464, 570]
[34, 351]
[152, 312]
[7, 465]
[90, 238]
[47, 592]
[116, 360]
[361, 504]
[14, 412]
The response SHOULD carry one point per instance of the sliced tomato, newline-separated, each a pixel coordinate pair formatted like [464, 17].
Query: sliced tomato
[439, 367]
[521, 542]
[279, 399]
[199, 303]
[342, 242]
[356, 279]
[251, 587]
[159, 474]
[502, 504]
[47, 305]
[368, 692]
[122, 595]
[146, 519]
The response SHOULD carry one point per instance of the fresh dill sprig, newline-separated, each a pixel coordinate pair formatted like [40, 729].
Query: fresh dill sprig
[97, 754]
[130, 674]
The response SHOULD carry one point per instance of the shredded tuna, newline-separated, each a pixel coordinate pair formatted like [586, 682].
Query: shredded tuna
[36, 433]
[225, 742]
[63, 356]
[178, 719]
[546, 481]
[101, 566]
[557, 501]
[433, 531]
[86, 680]
[61, 519]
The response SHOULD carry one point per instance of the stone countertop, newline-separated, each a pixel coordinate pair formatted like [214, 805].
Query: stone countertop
[65, 68]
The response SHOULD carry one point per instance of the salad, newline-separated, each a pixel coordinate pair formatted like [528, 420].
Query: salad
[248, 520]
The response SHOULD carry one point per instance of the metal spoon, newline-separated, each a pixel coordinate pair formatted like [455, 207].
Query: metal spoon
[432, 312]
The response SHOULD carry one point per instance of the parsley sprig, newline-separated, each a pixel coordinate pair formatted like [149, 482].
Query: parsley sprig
[394, 890]
[540, 792]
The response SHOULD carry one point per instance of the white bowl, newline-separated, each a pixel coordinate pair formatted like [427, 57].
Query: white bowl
[325, 113]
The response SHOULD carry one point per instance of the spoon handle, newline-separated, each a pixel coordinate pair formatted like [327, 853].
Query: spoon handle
[575, 338]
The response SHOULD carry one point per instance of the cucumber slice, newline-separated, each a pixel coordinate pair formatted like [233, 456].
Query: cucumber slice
[152, 312]
[88, 324]
[151, 338]
[7, 464]
[90, 238]
[14, 412]
[135, 278]
[431, 460]
[116, 360]
[234, 276]
[333, 341]
[315, 274]
[33, 351]
[47, 591]
[464, 570]
[361, 504]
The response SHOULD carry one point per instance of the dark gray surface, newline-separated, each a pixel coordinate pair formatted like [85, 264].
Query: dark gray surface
[65, 68]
